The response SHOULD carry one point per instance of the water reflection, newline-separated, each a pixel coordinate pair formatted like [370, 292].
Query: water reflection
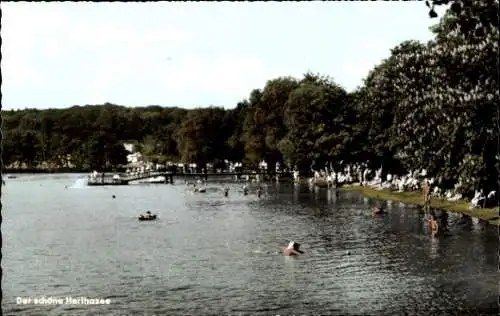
[443, 221]
[290, 268]
[332, 195]
[296, 192]
[465, 222]
[434, 247]
[389, 205]
[316, 192]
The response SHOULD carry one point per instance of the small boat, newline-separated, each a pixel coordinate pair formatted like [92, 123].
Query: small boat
[202, 190]
[143, 218]
[11, 177]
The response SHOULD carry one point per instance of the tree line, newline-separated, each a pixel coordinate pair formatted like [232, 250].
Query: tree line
[430, 106]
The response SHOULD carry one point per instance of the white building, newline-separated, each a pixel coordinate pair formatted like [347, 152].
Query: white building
[134, 157]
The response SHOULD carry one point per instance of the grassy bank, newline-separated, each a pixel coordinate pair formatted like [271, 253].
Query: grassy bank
[416, 198]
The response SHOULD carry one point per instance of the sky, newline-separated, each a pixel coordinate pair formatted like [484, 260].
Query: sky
[190, 54]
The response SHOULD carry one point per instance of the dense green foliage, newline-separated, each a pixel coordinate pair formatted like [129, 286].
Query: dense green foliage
[430, 106]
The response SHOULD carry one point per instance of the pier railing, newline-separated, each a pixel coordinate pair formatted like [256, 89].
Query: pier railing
[125, 178]
[134, 176]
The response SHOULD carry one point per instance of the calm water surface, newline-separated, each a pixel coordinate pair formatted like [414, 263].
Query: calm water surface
[208, 254]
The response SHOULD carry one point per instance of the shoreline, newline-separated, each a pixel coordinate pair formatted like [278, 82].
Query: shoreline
[491, 215]
[44, 171]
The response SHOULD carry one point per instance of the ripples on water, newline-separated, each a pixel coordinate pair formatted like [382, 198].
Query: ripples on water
[208, 254]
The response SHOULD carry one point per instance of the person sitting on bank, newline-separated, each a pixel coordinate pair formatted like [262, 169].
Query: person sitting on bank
[292, 249]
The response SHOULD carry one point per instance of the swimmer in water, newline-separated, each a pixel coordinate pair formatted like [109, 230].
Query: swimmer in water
[292, 249]
[226, 191]
[377, 210]
[259, 191]
[245, 190]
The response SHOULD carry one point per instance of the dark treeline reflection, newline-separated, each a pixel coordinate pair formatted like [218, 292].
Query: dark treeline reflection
[430, 106]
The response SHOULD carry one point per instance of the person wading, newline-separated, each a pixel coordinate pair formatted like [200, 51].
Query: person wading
[434, 225]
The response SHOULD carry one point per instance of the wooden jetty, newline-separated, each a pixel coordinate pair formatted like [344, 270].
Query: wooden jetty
[125, 179]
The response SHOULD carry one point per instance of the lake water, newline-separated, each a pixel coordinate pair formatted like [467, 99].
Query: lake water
[208, 254]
